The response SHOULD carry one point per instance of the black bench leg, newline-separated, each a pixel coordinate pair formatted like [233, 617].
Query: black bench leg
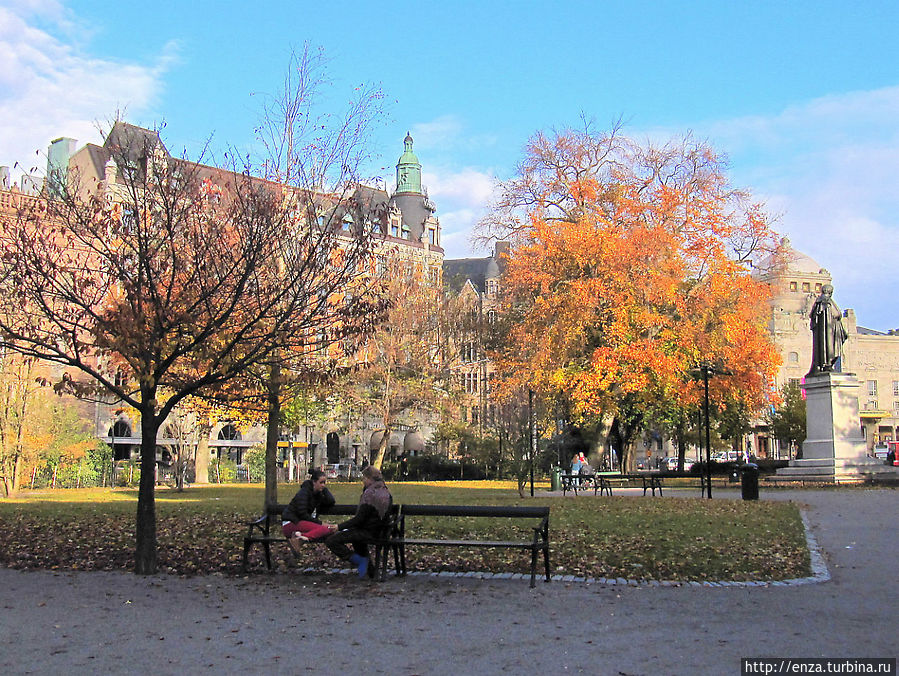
[399, 560]
[247, 543]
[402, 566]
[533, 568]
[546, 560]
[268, 554]
[385, 558]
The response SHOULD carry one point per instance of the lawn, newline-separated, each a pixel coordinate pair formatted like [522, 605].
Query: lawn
[201, 530]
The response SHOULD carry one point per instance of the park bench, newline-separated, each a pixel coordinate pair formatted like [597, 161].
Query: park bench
[267, 530]
[603, 483]
[538, 542]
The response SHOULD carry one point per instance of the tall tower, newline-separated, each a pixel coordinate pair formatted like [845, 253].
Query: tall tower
[412, 200]
[408, 170]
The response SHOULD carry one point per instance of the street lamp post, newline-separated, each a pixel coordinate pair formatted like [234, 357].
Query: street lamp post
[532, 436]
[705, 368]
[708, 434]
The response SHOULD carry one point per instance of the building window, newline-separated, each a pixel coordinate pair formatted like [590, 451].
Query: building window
[871, 405]
[120, 429]
[896, 388]
[491, 316]
[229, 433]
[896, 408]
[872, 388]
[793, 357]
[794, 382]
[395, 228]
[492, 287]
[806, 286]
[818, 287]
[794, 286]
[432, 236]
[470, 382]
[121, 379]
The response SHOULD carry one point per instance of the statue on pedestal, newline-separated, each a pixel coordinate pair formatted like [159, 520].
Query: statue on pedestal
[828, 333]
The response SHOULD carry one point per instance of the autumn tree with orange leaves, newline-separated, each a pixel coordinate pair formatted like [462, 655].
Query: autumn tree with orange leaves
[630, 266]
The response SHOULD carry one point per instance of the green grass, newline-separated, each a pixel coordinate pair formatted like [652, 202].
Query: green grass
[201, 530]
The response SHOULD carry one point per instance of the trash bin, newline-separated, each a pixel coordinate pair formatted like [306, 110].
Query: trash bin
[749, 481]
[556, 479]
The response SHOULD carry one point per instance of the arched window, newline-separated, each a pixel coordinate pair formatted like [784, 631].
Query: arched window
[120, 429]
[229, 433]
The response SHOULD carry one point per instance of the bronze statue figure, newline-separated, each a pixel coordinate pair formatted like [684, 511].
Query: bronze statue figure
[828, 332]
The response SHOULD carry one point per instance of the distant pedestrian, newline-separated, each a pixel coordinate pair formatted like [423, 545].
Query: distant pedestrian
[575, 468]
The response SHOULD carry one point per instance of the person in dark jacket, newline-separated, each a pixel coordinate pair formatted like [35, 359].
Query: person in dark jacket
[370, 517]
[301, 517]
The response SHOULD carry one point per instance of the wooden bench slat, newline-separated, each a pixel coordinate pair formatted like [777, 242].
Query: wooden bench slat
[470, 543]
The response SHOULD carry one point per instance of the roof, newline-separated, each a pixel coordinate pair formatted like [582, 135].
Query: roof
[787, 258]
[476, 270]
[460, 270]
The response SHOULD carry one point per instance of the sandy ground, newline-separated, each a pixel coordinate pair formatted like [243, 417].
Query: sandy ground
[292, 623]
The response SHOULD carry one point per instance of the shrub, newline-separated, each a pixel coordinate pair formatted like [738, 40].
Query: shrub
[431, 468]
[222, 471]
[127, 473]
[254, 459]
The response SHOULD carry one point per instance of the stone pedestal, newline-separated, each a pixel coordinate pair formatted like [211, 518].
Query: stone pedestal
[834, 449]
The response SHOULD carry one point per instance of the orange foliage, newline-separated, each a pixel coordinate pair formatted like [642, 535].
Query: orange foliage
[625, 281]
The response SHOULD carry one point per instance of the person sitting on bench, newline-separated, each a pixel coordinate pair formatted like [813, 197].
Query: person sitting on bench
[300, 517]
[368, 522]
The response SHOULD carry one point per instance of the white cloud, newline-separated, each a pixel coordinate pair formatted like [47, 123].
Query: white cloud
[828, 166]
[449, 132]
[52, 87]
[461, 199]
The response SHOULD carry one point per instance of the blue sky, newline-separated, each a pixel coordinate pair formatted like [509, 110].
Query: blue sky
[803, 97]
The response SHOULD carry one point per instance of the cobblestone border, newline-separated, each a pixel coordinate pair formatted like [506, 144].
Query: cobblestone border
[819, 573]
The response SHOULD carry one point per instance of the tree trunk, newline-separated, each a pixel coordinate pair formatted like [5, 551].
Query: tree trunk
[201, 462]
[145, 531]
[271, 437]
[378, 460]
[17, 468]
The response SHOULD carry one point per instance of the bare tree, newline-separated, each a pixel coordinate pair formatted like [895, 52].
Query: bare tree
[180, 277]
[318, 156]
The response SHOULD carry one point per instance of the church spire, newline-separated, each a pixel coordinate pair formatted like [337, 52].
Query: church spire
[408, 170]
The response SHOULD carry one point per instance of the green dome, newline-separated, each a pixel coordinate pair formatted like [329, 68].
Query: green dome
[408, 169]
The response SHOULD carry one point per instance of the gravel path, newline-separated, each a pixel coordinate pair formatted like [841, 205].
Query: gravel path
[293, 623]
